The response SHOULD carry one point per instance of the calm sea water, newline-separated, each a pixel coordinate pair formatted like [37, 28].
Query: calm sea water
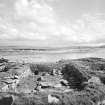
[21, 55]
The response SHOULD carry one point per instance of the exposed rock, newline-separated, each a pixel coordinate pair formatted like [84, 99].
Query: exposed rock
[101, 102]
[52, 99]
[68, 90]
[94, 79]
[2, 68]
[40, 78]
[5, 88]
[64, 82]
[59, 72]
[54, 72]
[2, 60]
[58, 86]
[46, 85]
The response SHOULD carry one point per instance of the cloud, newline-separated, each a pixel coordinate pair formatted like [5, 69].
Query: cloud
[7, 30]
[37, 20]
[42, 24]
[36, 11]
[91, 28]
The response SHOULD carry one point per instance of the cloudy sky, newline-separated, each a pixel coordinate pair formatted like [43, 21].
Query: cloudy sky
[52, 22]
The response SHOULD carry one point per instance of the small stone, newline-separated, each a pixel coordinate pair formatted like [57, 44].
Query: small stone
[94, 80]
[52, 99]
[68, 90]
[64, 82]
[58, 86]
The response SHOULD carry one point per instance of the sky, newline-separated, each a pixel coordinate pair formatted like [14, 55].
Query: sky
[52, 22]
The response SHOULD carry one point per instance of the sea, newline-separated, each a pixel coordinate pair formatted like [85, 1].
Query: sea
[29, 54]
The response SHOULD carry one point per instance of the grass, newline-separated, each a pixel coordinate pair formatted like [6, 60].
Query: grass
[40, 68]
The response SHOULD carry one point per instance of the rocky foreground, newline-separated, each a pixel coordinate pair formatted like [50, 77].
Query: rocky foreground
[67, 82]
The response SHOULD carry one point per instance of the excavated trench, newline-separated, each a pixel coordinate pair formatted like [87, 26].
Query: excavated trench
[6, 100]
